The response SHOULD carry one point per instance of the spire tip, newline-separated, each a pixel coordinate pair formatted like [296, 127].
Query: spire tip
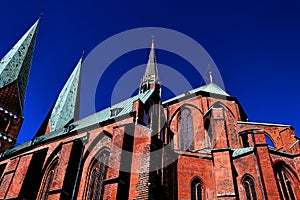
[83, 52]
[210, 74]
[42, 13]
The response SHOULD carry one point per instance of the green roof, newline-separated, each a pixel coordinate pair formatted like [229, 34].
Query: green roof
[15, 65]
[124, 107]
[210, 88]
[65, 108]
[242, 151]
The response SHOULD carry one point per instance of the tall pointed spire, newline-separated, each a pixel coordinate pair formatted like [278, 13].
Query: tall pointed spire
[66, 107]
[15, 68]
[151, 74]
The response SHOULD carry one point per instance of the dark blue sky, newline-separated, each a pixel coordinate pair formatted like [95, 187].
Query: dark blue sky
[255, 45]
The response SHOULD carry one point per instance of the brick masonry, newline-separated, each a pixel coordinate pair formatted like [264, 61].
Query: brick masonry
[221, 159]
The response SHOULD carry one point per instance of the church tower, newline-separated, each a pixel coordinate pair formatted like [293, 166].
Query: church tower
[14, 73]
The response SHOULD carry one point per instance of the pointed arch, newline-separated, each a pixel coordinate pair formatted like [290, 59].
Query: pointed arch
[248, 184]
[96, 176]
[219, 104]
[197, 189]
[178, 110]
[48, 179]
[286, 180]
[245, 140]
[269, 140]
[182, 120]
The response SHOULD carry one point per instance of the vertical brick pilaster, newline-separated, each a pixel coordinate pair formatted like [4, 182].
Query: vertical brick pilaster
[19, 176]
[265, 166]
[110, 191]
[58, 179]
[223, 175]
[219, 130]
[139, 179]
[7, 176]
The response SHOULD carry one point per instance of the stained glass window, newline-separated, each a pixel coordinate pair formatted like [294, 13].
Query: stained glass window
[284, 185]
[96, 179]
[186, 130]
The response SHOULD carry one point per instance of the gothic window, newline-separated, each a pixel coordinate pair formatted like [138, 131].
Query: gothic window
[196, 189]
[96, 178]
[284, 184]
[249, 187]
[4, 121]
[186, 130]
[47, 180]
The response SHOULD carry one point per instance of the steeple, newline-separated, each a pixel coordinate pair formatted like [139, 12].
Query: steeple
[66, 107]
[67, 104]
[14, 71]
[150, 78]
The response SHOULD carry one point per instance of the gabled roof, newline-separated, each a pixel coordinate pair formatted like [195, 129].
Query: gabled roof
[66, 106]
[213, 88]
[15, 65]
[210, 88]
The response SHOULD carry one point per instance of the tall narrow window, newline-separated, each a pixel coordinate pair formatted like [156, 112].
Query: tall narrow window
[47, 180]
[186, 130]
[249, 187]
[285, 188]
[96, 179]
[196, 189]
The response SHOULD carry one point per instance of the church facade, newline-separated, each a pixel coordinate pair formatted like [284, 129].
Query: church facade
[198, 145]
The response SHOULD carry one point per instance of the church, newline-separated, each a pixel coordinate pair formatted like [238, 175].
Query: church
[195, 146]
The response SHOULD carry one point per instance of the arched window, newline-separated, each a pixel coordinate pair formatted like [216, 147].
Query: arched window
[284, 184]
[4, 121]
[186, 130]
[249, 186]
[196, 189]
[97, 175]
[47, 180]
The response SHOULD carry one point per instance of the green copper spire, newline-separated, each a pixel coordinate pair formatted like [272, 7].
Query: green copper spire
[15, 65]
[67, 103]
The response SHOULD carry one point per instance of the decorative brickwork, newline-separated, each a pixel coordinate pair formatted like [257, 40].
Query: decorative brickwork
[198, 145]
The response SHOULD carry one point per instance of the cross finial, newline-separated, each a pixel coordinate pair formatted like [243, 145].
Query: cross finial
[210, 74]
[42, 13]
[83, 52]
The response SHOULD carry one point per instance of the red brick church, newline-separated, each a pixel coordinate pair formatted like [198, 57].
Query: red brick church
[198, 145]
